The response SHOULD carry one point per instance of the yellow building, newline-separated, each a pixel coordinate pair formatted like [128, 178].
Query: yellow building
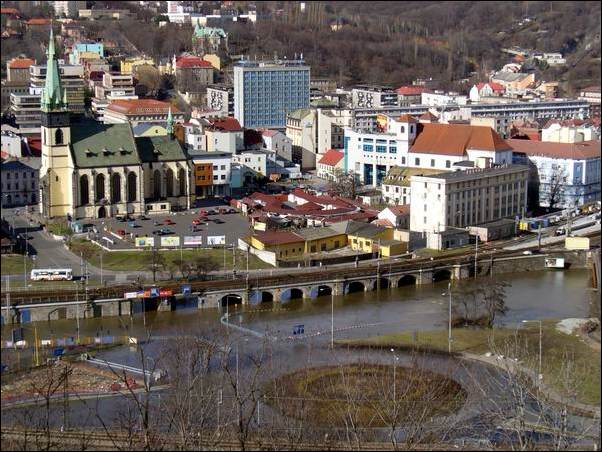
[322, 239]
[363, 236]
[128, 65]
[215, 61]
[285, 244]
[390, 248]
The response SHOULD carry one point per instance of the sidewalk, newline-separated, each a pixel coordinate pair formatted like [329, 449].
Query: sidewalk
[508, 364]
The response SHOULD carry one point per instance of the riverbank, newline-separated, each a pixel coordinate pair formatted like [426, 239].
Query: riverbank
[522, 343]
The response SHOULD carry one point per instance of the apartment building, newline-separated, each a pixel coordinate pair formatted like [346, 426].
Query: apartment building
[373, 96]
[211, 174]
[26, 106]
[445, 202]
[114, 86]
[265, 92]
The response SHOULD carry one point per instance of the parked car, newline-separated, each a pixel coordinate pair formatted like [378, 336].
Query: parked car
[120, 218]
[212, 212]
[121, 232]
[168, 221]
[166, 231]
[143, 217]
[218, 221]
[197, 222]
[157, 232]
[132, 224]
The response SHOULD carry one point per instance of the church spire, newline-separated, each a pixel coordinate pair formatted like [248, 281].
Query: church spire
[170, 124]
[53, 96]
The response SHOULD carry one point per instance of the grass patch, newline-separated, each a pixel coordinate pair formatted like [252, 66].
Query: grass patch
[13, 264]
[330, 396]
[59, 228]
[140, 260]
[558, 348]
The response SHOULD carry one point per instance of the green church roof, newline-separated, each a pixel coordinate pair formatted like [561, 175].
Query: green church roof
[159, 149]
[94, 144]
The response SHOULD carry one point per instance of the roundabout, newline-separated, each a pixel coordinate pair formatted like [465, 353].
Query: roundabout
[367, 395]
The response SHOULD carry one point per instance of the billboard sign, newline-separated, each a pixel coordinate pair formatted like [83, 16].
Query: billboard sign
[128, 295]
[193, 240]
[170, 241]
[216, 240]
[145, 241]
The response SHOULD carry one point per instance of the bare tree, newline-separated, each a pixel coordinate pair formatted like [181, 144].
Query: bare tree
[556, 186]
[480, 301]
[344, 184]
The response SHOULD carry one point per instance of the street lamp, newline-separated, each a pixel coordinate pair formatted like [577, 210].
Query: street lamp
[449, 336]
[540, 375]
[396, 358]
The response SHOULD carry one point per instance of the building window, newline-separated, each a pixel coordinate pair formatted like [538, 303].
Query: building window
[416, 161]
[58, 136]
[432, 162]
[448, 164]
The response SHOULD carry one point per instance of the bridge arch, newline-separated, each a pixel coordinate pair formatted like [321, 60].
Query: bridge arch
[406, 280]
[442, 275]
[230, 299]
[354, 286]
[320, 291]
[261, 296]
[384, 283]
[292, 293]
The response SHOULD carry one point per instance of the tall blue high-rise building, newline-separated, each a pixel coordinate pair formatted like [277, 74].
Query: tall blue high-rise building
[264, 92]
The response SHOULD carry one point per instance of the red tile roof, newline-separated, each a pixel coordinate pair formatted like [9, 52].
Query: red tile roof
[193, 62]
[428, 116]
[331, 158]
[226, 125]
[11, 11]
[21, 63]
[576, 151]
[269, 133]
[496, 87]
[406, 118]
[278, 237]
[456, 139]
[38, 22]
[384, 223]
[400, 210]
[142, 107]
[412, 90]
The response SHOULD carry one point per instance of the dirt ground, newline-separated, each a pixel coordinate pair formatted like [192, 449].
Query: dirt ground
[50, 380]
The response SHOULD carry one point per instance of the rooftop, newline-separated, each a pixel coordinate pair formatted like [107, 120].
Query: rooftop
[456, 139]
[142, 107]
[575, 151]
[21, 63]
[471, 173]
[278, 237]
[331, 158]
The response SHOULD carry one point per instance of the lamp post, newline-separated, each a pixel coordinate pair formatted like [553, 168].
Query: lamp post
[332, 319]
[395, 359]
[540, 375]
[449, 335]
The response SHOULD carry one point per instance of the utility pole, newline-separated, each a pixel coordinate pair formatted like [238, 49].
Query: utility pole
[539, 237]
[449, 336]
[476, 252]
[332, 320]
[7, 298]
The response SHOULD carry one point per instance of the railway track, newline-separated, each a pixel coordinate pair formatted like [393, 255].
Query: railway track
[303, 276]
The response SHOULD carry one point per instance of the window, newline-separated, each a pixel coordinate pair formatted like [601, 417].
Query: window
[393, 150]
[214, 167]
[215, 177]
[368, 148]
[432, 162]
[403, 160]
[416, 161]
[381, 149]
[223, 167]
[223, 177]
[424, 219]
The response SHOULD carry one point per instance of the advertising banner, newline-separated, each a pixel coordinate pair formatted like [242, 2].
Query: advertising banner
[216, 240]
[129, 295]
[145, 241]
[193, 240]
[170, 241]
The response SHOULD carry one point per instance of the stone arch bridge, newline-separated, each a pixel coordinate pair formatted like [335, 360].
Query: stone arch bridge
[339, 286]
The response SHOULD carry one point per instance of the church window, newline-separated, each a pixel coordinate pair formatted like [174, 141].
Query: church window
[58, 136]
[169, 182]
[182, 181]
[84, 196]
[116, 188]
[132, 181]
[100, 187]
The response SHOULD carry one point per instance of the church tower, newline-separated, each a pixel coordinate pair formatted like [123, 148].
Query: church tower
[56, 172]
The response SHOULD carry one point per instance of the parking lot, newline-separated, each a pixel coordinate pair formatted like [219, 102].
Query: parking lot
[116, 233]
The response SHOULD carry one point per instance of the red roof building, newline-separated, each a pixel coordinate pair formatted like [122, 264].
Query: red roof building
[573, 151]
[141, 110]
[331, 158]
[192, 62]
[21, 63]
[457, 139]
[412, 90]
[38, 22]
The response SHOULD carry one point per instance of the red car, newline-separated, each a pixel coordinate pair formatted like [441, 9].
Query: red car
[168, 221]
[203, 213]
[121, 232]
[197, 222]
